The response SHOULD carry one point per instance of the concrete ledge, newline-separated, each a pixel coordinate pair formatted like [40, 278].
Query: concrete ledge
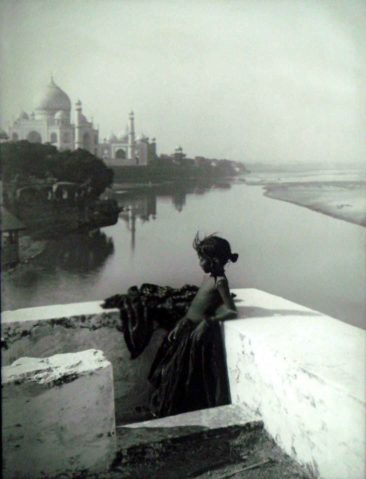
[181, 425]
[48, 330]
[58, 415]
[303, 373]
[179, 446]
[211, 418]
[57, 311]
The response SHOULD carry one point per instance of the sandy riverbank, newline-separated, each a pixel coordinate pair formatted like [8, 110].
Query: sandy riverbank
[343, 200]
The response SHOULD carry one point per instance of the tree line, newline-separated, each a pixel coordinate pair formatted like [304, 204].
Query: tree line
[21, 161]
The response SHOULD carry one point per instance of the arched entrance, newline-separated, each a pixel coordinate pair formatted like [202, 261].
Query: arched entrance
[120, 154]
[34, 137]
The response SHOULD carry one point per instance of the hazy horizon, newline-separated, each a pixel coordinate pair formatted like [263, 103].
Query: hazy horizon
[269, 82]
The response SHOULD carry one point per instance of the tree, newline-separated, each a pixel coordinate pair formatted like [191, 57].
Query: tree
[79, 166]
[22, 160]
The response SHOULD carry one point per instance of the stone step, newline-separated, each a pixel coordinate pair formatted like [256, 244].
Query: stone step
[177, 446]
[179, 425]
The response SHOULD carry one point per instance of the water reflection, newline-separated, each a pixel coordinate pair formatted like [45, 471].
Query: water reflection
[78, 253]
[140, 202]
[139, 205]
[309, 258]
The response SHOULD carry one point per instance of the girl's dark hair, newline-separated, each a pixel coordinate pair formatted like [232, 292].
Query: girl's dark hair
[215, 249]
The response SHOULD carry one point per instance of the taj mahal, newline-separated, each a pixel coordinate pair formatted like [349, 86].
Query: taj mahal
[51, 123]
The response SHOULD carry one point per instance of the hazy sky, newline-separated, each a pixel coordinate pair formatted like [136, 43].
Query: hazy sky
[250, 80]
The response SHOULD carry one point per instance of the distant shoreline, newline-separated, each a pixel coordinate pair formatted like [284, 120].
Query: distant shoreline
[341, 200]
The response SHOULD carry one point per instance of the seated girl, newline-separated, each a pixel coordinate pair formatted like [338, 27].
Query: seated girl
[189, 370]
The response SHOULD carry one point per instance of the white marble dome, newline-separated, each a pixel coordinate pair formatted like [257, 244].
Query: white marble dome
[54, 99]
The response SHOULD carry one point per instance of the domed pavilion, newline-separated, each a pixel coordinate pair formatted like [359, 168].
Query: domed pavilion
[51, 123]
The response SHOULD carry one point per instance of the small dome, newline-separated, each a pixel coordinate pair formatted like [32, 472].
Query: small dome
[61, 115]
[3, 135]
[123, 137]
[23, 116]
[142, 137]
[54, 99]
[83, 118]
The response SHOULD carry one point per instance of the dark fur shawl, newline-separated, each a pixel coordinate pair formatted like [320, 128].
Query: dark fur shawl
[143, 306]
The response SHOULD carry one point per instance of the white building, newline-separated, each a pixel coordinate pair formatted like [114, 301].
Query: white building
[127, 150]
[51, 123]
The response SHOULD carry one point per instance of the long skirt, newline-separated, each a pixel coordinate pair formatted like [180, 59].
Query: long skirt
[189, 373]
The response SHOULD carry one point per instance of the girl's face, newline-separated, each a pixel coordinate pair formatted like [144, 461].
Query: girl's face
[205, 264]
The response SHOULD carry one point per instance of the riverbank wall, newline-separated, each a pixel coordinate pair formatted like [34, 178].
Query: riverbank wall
[295, 369]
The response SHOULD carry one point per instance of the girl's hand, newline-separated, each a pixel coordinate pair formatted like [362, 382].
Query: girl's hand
[172, 335]
[199, 331]
[175, 332]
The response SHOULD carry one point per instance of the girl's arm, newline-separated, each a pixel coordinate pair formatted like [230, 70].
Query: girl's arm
[228, 308]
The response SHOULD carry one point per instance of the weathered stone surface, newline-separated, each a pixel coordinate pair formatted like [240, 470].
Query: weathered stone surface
[182, 445]
[211, 418]
[48, 330]
[299, 371]
[264, 460]
[303, 374]
[191, 446]
[58, 415]
[173, 427]
[194, 446]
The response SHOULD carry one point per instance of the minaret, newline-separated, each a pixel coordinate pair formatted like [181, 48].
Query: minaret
[78, 135]
[131, 138]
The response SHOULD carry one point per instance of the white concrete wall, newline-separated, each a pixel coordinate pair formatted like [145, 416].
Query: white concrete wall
[48, 330]
[57, 415]
[303, 373]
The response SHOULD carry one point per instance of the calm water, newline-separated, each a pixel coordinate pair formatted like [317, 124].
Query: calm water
[284, 249]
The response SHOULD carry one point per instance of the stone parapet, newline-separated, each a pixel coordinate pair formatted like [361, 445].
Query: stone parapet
[58, 415]
[47, 330]
[303, 374]
[300, 372]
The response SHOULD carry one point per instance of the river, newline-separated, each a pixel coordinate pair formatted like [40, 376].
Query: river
[287, 250]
